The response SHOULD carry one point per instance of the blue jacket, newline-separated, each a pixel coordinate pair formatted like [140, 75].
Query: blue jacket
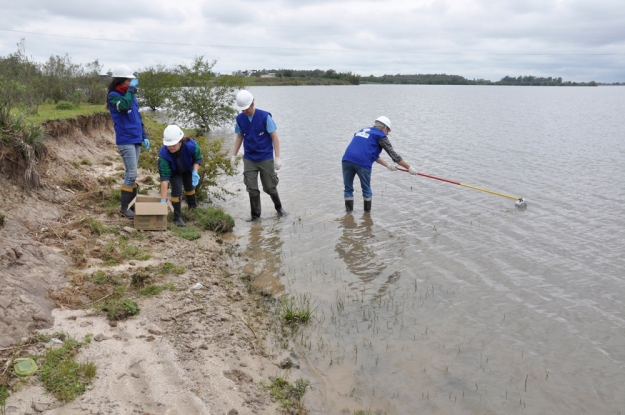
[167, 165]
[364, 149]
[127, 124]
[257, 142]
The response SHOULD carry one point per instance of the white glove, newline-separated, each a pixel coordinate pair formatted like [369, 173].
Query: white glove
[391, 167]
[233, 162]
[412, 171]
[277, 163]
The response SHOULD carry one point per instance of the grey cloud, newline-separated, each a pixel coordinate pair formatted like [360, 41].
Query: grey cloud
[235, 12]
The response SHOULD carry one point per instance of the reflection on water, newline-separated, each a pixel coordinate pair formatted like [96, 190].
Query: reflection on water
[355, 247]
[263, 253]
[444, 299]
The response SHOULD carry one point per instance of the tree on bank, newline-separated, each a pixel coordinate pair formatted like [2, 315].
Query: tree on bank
[157, 82]
[202, 100]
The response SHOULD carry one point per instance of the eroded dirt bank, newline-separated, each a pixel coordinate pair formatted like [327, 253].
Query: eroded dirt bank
[199, 344]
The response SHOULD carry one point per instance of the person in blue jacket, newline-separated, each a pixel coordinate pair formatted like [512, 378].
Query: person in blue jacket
[258, 133]
[129, 130]
[178, 162]
[361, 153]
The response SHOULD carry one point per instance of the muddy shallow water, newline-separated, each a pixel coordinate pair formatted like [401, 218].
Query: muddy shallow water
[446, 299]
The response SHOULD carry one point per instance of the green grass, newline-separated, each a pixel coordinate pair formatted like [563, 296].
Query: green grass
[294, 311]
[119, 308]
[3, 221]
[49, 112]
[189, 233]
[117, 251]
[152, 290]
[212, 218]
[61, 375]
[288, 394]
[4, 394]
[169, 268]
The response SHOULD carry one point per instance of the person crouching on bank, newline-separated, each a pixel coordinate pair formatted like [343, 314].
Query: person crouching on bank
[178, 162]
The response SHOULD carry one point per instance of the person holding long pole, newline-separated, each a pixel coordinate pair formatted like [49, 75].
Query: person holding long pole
[361, 153]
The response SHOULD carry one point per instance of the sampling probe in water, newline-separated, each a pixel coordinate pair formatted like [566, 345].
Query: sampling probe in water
[520, 202]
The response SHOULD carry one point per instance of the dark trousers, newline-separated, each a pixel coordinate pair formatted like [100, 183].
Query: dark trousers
[268, 177]
[178, 181]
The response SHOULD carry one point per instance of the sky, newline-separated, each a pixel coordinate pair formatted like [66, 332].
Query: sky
[579, 40]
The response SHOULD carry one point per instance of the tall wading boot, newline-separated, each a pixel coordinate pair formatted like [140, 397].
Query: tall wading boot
[191, 202]
[126, 199]
[178, 214]
[255, 208]
[349, 205]
[276, 202]
[368, 205]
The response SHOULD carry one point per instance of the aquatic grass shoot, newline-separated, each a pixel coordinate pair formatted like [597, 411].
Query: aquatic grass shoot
[294, 311]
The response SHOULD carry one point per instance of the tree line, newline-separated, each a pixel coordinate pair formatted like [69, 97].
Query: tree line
[444, 79]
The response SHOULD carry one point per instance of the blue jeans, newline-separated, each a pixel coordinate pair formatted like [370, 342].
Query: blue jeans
[349, 171]
[130, 155]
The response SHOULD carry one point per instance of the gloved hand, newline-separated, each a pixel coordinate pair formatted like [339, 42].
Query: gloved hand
[134, 82]
[195, 178]
[163, 200]
[391, 167]
[233, 162]
[277, 163]
[412, 171]
[146, 143]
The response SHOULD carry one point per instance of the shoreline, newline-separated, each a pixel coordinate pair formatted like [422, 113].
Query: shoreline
[188, 351]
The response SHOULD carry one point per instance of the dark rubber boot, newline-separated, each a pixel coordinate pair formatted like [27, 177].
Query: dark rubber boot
[191, 202]
[367, 205]
[255, 208]
[135, 189]
[349, 206]
[178, 215]
[276, 202]
[126, 199]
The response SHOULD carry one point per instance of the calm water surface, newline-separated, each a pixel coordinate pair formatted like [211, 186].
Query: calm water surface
[446, 299]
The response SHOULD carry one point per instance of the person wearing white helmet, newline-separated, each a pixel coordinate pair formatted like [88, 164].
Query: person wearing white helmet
[179, 160]
[361, 153]
[129, 131]
[258, 133]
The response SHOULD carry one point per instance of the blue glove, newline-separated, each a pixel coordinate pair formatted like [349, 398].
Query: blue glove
[134, 82]
[195, 178]
[163, 200]
[146, 143]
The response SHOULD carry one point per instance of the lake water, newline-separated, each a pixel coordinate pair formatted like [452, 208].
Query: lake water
[446, 299]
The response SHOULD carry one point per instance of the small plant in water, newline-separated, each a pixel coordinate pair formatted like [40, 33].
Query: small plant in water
[295, 310]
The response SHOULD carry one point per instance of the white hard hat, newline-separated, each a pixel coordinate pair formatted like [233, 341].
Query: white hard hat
[122, 71]
[172, 135]
[244, 99]
[384, 120]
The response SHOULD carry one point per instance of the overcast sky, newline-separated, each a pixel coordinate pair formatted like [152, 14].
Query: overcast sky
[580, 40]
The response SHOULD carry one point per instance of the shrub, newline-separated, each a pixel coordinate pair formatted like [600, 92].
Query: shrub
[64, 105]
[21, 148]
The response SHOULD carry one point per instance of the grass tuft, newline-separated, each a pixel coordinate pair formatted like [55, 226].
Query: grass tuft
[62, 375]
[152, 290]
[294, 311]
[212, 218]
[115, 252]
[288, 394]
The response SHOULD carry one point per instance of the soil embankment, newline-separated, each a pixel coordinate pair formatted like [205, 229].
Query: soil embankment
[199, 342]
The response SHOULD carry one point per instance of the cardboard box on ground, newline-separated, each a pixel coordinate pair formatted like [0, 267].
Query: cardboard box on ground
[150, 213]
